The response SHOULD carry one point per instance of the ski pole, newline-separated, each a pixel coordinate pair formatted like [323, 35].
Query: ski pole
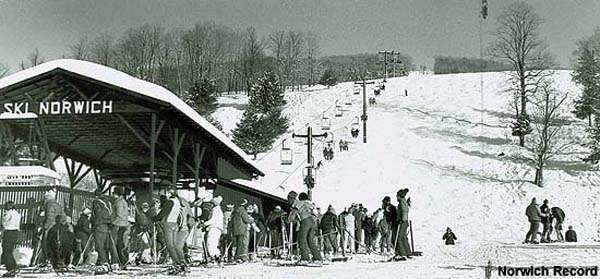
[412, 241]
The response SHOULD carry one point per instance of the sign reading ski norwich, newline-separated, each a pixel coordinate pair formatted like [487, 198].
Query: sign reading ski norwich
[58, 107]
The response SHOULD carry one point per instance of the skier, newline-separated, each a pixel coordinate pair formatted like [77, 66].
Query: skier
[325, 153]
[350, 230]
[143, 232]
[401, 236]
[83, 230]
[405, 93]
[391, 223]
[571, 235]
[359, 217]
[101, 221]
[225, 236]
[51, 209]
[341, 145]
[329, 227]
[259, 228]
[370, 232]
[275, 224]
[304, 210]
[11, 220]
[559, 215]
[449, 237]
[60, 241]
[546, 222]
[214, 228]
[534, 215]
[169, 217]
[330, 151]
[238, 228]
[37, 239]
[120, 227]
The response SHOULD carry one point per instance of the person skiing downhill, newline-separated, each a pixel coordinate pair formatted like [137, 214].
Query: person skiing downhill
[449, 237]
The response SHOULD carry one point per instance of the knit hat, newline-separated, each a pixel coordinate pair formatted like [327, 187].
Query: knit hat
[217, 200]
[243, 202]
[69, 220]
[229, 207]
[277, 208]
[145, 205]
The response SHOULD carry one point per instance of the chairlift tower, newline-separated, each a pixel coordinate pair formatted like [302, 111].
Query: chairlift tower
[384, 57]
[309, 179]
[364, 117]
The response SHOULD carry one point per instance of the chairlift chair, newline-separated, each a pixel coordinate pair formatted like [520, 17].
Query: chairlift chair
[338, 110]
[354, 127]
[325, 123]
[286, 155]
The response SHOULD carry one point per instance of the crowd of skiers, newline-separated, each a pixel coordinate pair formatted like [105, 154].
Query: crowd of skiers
[550, 218]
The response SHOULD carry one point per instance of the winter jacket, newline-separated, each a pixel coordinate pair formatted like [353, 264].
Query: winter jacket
[207, 210]
[83, 229]
[275, 220]
[571, 236]
[52, 210]
[546, 213]
[349, 221]
[143, 220]
[226, 219]
[558, 214]
[390, 214]
[359, 217]
[101, 212]
[449, 237]
[369, 226]
[329, 223]
[382, 226]
[304, 209]
[402, 210]
[60, 234]
[533, 213]
[216, 219]
[120, 216]
[240, 221]
[11, 220]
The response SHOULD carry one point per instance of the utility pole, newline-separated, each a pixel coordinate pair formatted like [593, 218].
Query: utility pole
[364, 117]
[308, 180]
[383, 58]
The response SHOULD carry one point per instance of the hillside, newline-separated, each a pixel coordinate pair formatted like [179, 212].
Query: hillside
[431, 143]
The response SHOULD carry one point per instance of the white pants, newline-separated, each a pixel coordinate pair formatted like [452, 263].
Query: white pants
[349, 239]
[212, 241]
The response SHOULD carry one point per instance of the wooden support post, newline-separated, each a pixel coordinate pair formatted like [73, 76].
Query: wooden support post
[48, 154]
[198, 156]
[176, 143]
[153, 140]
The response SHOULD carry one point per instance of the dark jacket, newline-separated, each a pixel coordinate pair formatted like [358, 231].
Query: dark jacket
[60, 236]
[359, 217]
[101, 212]
[558, 214]
[369, 226]
[207, 208]
[341, 218]
[449, 237]
[260, 221]
[240, 220]
[329, 223]
[571, 236]
[533, 213]
[390, 214]
[143, 220]
[545, 210]
[275, 220]
[83, 229]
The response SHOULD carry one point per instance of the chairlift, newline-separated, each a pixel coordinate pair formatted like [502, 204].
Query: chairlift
[354, 127]
[338, 110]
[356, 90]
[325, 122]
[287, 154]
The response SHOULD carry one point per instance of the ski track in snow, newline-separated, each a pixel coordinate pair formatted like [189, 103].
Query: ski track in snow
[433, 143]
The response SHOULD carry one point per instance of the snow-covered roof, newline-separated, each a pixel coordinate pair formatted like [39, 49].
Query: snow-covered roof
[260, 187]
[119, 79]
[28, 170]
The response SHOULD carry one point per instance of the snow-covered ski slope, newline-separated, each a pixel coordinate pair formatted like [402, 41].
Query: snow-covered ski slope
[470, 177]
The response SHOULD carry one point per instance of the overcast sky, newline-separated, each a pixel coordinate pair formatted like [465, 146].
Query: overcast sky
[419, 28]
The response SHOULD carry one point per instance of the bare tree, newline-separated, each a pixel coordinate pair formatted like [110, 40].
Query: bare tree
[80, 49]
[276, 43]
[293, 49]
[102, 50]
[33, 59]
[519, 44]
[252, 57]
[547, 126]
[3, 70]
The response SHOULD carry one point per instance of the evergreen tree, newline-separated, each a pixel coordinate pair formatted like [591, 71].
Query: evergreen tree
[328, 78]
[263, 121]
[586, 74]
[594, 135]
[202, 97]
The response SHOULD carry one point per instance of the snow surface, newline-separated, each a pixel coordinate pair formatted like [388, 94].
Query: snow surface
[431, 142]
[125, 81]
